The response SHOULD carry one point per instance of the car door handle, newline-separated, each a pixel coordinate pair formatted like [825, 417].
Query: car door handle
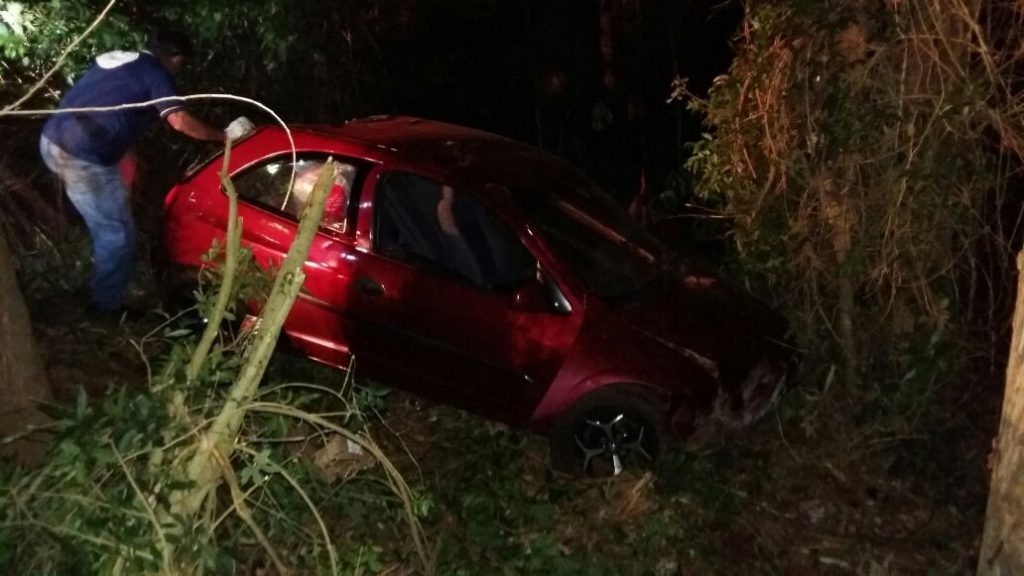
[369, 286]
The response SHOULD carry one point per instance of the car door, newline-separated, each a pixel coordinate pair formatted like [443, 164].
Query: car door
[270, 212]
[442, 292]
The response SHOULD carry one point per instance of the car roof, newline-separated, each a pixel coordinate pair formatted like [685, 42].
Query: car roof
[448, 148]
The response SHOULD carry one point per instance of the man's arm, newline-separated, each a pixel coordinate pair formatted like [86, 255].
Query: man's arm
[189, 125]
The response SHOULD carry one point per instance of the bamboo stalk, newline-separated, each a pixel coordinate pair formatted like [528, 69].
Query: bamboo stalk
[233, 240]
[202, 469]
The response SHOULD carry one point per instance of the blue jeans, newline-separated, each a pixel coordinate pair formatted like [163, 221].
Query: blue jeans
[100, 196]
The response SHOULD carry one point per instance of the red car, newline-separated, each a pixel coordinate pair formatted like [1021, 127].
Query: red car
[489, 275]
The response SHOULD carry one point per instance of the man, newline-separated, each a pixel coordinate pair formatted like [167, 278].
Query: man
[84, 149]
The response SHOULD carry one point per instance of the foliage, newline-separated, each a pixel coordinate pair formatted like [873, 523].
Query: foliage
[189, 477]
[247, 48]
[33, 32]
[514, 518]
[855, 147]
[90, 508]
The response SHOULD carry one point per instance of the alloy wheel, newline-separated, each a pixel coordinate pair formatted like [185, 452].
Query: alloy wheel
[613, 443]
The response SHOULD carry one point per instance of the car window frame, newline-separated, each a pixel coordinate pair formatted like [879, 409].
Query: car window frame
[351, 209]
[439, 270]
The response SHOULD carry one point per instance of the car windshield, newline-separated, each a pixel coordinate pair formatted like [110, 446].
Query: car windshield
[586, 229]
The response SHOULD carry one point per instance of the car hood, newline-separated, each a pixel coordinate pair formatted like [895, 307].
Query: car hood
[723, 329]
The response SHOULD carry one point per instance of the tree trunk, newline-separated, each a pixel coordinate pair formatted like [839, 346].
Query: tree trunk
[1002, 547]
[22, 379]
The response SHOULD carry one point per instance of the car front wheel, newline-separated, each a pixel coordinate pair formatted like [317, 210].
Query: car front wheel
[606, 432]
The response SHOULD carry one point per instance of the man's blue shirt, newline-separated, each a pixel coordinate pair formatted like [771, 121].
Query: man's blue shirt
[116, 78]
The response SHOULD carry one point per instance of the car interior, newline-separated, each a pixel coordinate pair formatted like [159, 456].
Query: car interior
[267, 185]
[435, 227]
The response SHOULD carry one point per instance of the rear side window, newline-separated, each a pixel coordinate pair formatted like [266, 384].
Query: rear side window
[440, 229]
[266, 185]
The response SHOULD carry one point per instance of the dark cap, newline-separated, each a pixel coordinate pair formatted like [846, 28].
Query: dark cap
[170, 43]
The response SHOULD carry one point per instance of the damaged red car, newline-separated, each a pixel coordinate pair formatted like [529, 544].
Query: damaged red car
[486, 274]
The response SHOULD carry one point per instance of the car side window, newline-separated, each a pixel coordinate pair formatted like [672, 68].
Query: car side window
[266, 184]
[435, 227]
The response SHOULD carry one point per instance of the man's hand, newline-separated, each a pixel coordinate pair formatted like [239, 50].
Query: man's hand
[186, 123]
[239, 128]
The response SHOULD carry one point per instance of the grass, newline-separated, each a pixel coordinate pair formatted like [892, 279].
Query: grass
[810, 490]
[814, 503]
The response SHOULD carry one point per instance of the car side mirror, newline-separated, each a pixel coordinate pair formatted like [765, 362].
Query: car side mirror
[540, 295]
[532, 297]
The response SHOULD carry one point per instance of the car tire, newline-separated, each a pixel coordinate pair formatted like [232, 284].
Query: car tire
[607, 431]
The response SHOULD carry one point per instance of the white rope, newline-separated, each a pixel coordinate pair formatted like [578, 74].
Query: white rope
[148, 103]
[9, 110]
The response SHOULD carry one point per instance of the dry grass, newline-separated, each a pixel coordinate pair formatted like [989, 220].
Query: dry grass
[865, 160]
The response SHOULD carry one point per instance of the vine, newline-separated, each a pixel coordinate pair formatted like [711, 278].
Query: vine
[862, 151]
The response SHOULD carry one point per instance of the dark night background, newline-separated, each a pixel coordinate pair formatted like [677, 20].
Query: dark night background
[535, 71]
[557, 75]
